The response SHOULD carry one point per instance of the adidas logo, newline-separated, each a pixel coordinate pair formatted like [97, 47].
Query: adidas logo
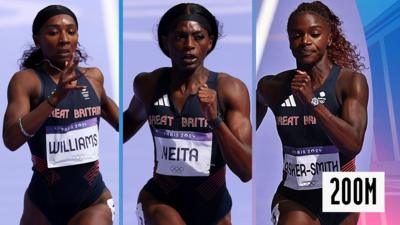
[289, 102]
[163, 101]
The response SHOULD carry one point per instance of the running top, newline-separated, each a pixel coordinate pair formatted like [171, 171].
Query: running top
[66, 148]
[307, 150]
[184, 144]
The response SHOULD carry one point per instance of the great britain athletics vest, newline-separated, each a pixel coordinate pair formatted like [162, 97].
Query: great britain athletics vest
[185, 148]
[307, 150]
[65, 148]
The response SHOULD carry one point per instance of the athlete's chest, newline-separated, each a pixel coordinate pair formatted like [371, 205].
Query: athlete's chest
[164, 114]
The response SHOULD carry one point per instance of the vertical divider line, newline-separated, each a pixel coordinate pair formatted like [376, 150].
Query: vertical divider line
[121, 124]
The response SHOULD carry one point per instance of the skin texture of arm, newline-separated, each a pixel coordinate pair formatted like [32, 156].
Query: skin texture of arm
[135, 116]
[261, 103]
[23, 87]
[347, 130]
[23, 93]
[109, 110]
[234, 136]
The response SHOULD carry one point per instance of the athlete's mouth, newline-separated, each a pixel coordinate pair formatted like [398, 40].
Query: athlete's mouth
[306, 52]
[63, 53]
[189, 58]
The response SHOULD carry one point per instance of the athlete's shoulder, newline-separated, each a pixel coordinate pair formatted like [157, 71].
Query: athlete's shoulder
[25, 74]
[146, 78]
[25, 77]
[351, 75]
[92, 73]
[231, 89]
[230, 81]
[145, 83]
[231, 86]
[350, 80]
[272, 81]
[282, 76]
[25, 80]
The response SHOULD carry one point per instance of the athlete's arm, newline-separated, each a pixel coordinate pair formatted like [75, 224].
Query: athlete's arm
[109, 110]
[346, 131]
[261, 103]
[234, 136]
[23, 87]
[135, 116]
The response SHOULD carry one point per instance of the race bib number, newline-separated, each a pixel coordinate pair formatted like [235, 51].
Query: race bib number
[183, 153]
[73, 144]
[304, 166]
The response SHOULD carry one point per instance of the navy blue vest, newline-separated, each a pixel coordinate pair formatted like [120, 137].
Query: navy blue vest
[77, 106]
[162, 114]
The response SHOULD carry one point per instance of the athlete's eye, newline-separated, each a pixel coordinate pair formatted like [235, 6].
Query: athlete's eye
[198, 37]
[71, 31]
[295, 35]
[52, 32]
[315, 34]
[180, 36]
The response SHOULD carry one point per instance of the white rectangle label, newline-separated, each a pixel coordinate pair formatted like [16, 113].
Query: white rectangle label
[183, 153]
[72, 144]
[304, 166]
[353, 192]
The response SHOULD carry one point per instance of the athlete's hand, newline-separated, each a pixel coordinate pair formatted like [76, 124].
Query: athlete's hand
[301, 86]
[67, 81]
[208, 101]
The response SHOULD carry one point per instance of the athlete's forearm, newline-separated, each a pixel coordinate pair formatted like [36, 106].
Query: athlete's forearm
[236, 153]
[131, 125]
[30, 123]
[261, 111]
[109, 111]
[344, 136]
[134, 117]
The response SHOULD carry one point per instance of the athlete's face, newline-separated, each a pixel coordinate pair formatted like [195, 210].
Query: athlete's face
[58, 39]
[188, 45]
[309, 37]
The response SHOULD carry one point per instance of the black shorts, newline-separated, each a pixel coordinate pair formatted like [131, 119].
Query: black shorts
[62, 200]
[312, 200]
[191, 204]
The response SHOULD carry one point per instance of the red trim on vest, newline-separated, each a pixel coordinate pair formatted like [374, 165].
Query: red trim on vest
[167, 184]
[40, 165]
[349, 166]
[209, 188]
[92, 173]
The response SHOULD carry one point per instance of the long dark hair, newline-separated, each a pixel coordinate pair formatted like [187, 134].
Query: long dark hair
[341, 51]
[169, 20]
[33, 57]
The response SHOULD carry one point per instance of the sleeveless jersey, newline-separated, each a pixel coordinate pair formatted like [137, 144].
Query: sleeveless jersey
[307, 150]
[183, 141]
[189, 171]
[64, 153]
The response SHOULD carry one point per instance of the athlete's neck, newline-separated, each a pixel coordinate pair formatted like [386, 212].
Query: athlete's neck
[318, 72]
[188, 80]
[53, 72]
